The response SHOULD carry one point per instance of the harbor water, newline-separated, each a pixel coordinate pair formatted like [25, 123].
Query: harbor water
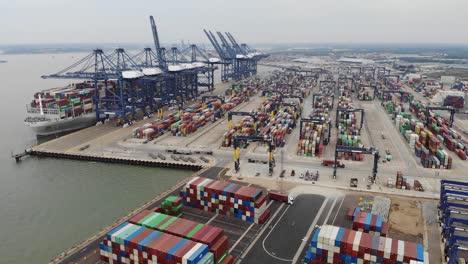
[49, 205]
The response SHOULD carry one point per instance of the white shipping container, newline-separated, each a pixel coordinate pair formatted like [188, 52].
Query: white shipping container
[401, 250]
[357, 240]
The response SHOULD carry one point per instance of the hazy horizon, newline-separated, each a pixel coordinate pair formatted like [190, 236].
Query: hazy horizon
[256, 22]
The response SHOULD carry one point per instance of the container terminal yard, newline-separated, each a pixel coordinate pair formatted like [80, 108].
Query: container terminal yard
[332, 163]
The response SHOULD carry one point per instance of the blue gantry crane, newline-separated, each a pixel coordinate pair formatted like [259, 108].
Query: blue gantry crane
[206, 73]
[122, 100]
[238, 61]
[128, 86]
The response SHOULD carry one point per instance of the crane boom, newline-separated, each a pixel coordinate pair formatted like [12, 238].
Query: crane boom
[157, 46]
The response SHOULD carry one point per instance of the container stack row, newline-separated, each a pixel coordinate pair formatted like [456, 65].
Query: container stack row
[448, 137]
[331, 244]
[213, 237]
[130, 243]
[323, 102]
[427, 146]
[280, 125]
[233, 200]
[440, 128]
[347, 123]
[348, 130]
[370, 223]
[187, 121]
[365, 94]
[311, 140]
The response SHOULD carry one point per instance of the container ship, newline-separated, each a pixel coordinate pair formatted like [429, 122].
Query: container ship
[63, 109]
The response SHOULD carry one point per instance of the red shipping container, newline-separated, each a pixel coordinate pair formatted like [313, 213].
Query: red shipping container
[262, 219]
[219, 248]
[139, 216]
[228, 260]
[260, 201]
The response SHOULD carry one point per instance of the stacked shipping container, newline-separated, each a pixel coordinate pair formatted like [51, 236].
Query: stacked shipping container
[172, 205]
[402, 182]
[187, 121]
[348, 131]
[311, 140]
[370, 223]
[213, 237]
[233, 200]
[131, 243]
[331, 244]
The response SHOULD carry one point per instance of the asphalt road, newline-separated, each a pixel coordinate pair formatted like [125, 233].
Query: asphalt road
[282, 239]
[90, 254]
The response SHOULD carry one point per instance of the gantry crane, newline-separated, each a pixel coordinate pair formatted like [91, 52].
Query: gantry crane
[320, 95]
[451, 110]
[251, 114]
[371, 151]
[237, 150]
[238, 61]
[402, 94]
[350, 110]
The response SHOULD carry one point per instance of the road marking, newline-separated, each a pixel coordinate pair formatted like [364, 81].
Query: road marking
[211, 219]
[309, 232]
[246, 231]
[260, 234]
[330, 211]
[266, 237]
[337, 211]
[241, 237]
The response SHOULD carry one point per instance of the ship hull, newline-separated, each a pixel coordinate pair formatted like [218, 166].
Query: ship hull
[46, 128]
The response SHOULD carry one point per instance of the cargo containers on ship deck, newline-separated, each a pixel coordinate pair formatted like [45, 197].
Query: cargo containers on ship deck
[331, 244]
[230, 199]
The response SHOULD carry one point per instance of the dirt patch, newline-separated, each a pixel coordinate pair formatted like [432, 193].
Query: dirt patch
[406, 218]
[269, 184]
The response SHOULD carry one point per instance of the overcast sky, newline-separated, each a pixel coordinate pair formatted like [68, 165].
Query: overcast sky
[251, 21]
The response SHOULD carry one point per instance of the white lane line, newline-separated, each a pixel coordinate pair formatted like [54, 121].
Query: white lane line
[309, 232]
[246, 231]
[330, 211]
[337, 211]
[266, 237]
[212, 218]
[241, 237]
[259, 234]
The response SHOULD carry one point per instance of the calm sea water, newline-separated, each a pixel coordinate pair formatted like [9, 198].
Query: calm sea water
[48, 205]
